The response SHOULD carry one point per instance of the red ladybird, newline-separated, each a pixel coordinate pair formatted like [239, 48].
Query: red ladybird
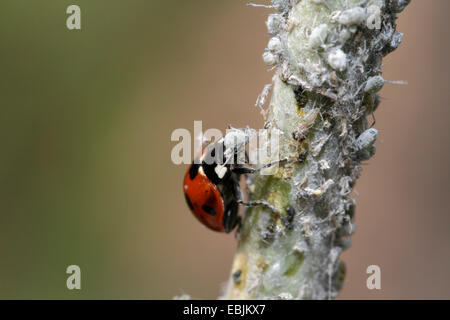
[212, 190]
[212, 194]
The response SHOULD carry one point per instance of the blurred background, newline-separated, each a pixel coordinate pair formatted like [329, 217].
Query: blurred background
[85, 171]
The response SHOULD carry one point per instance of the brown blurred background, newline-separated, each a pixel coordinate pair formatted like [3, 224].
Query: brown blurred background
[85, 170]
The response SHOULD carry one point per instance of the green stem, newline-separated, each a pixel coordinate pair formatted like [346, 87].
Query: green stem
[328, 66]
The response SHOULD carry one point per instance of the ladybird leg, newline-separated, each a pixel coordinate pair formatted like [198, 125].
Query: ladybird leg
[244, 170]
[257, 203]
[239, 224]
[268, 165]
[237, 193]
[231, 218]
[237, 235]
[249, 170]
[374, 120]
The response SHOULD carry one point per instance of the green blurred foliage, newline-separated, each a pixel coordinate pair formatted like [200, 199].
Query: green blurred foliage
[63, 93]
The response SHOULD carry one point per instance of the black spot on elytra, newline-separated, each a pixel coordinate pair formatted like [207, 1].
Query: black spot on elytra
[193, 170]
[188, 201]
[209, 210]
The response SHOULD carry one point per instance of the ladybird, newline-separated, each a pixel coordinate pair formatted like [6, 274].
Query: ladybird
[212, 190]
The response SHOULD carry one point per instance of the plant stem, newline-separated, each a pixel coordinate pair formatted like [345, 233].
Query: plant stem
[327, 56]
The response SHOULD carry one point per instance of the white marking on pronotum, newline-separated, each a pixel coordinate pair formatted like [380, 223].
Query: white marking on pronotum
[220, 171]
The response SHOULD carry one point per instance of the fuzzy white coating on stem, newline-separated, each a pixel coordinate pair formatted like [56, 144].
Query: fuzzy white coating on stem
[328, 71]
